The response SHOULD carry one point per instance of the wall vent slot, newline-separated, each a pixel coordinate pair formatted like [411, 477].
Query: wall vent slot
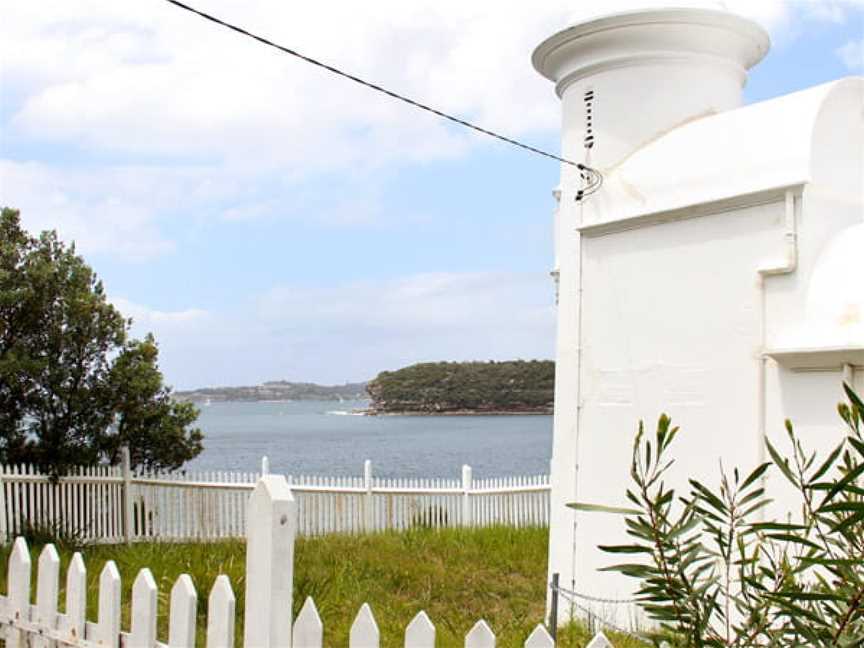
[589, 124]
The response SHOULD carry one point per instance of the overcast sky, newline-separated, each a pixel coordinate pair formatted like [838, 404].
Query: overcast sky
[267, 220]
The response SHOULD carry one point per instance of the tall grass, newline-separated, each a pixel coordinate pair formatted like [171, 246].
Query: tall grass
[458, 576]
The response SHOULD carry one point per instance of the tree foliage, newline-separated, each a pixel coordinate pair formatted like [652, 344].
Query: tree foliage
[73, 387]
[712, 573]
[440, 387]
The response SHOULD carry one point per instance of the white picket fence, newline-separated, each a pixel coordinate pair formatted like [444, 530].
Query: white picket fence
[115, 504]
[272, 528]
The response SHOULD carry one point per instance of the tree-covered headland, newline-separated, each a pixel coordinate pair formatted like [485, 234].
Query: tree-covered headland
[517, 386]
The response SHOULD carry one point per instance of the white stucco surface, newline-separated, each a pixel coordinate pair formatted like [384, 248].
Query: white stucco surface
[762, 146]
[716, 276]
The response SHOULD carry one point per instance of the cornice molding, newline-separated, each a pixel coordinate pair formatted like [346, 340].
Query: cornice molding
[657, 35]
[708, 208]
[654, 58]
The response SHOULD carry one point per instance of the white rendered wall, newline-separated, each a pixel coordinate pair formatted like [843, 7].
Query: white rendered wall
[668, 325]
[647, 78]
[670, 322]
[832, 210]
[822, 303]
[654, 101]
[563, 470]
[667, 316]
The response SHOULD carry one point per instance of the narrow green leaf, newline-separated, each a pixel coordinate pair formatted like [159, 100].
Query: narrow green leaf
[827, 463]
[756, 474]
[847, 479]
[599, 508]
[843, 507]
[787, 537]
[850, 521]
[628, 549]
[859, 445]
[853, 398]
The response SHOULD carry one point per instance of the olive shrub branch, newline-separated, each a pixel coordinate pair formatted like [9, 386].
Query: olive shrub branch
[711, 574]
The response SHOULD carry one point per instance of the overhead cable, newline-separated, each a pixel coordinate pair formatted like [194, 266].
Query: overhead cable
[592, 177]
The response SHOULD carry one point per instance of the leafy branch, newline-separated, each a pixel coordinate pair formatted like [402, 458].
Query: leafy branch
[711, 572]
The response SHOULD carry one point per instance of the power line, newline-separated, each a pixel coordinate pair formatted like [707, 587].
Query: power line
[591, 177]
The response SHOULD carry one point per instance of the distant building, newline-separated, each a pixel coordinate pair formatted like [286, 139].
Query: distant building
[718, 275]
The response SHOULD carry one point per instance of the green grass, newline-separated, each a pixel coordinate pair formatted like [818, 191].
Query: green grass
[457, 576]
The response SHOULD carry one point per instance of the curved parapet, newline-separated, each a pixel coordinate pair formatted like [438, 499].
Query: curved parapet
[741, 155]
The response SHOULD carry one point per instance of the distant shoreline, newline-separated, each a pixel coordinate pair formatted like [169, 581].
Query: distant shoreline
[372, 412]
[276, 391]
[213, 401]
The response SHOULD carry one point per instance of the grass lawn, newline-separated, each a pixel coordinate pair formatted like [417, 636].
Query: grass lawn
[457, 576]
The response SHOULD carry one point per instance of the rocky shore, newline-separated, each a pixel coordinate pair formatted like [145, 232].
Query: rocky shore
[546, 411]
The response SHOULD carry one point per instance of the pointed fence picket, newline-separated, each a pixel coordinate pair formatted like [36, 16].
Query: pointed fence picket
[480, 636]
[144, 597]
[76, 598]
[540, 638]
[271, 531]
[308, 629]
[600, 641]
[364, 631]
[420, 633]
[114, 504]
[47, 589]
[220, 618]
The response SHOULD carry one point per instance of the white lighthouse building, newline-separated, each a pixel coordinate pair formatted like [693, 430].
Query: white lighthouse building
[717, 275]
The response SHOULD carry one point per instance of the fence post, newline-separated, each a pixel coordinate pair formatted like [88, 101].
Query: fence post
[128, 513]
[553, 608]
[4, 530]
[270, 532]
[368, 516]
[467, 484]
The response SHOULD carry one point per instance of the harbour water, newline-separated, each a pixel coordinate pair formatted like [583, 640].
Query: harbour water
[325, 438]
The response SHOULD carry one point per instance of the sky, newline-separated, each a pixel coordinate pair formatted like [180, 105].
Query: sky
[267, 220]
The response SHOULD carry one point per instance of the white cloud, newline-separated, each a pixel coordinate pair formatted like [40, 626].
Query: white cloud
[150, 79]
[149, 320]
[194, 119]
[852, 55]
[835, 11]
[109, 212]
[449, 300]
[153, 80]
[195, 116]
[353, 330]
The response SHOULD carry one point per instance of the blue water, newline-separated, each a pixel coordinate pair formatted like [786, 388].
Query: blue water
[316, 437]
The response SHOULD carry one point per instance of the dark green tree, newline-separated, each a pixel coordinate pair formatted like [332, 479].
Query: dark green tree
[154, 426]
[72, 386]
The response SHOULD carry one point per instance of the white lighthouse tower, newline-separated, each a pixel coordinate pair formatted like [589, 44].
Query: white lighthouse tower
[714, 276]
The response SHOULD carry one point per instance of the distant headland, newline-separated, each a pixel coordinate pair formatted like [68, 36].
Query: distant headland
[276, 390]
[424, 389]
[465, 388]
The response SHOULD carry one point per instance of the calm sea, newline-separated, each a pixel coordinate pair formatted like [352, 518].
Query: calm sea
[313, 437]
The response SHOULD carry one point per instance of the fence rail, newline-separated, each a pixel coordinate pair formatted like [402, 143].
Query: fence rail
[115, 504]
[273, 520]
